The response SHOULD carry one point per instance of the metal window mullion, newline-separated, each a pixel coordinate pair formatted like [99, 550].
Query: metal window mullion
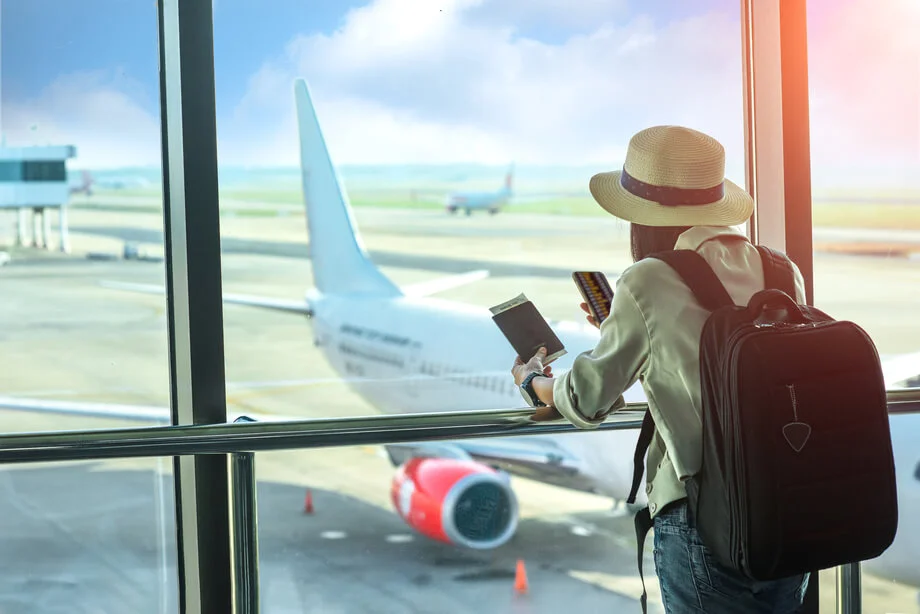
[778, 167]
[777, 145]
[193, 282]
[796, 140]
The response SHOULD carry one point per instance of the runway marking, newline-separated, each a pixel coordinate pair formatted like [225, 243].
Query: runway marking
[628, 586]
[399, 538]
[581, 530]
[333, 534]
[42, 393]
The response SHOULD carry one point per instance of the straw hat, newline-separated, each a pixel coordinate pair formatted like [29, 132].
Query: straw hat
[673, 176]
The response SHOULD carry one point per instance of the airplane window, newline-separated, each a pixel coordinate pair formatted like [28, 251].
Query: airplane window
[866, 216]
[917, 472]
[81, 128]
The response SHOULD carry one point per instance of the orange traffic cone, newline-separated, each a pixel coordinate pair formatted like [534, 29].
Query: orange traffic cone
[308, 503]
[520, 578]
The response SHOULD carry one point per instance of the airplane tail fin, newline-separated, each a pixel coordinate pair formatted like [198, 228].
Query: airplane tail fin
[509, 177]
[340, 263]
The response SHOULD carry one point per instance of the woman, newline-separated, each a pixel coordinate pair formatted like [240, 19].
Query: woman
[673, 191]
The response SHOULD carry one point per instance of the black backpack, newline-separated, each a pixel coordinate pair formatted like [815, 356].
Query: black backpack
[797, 468]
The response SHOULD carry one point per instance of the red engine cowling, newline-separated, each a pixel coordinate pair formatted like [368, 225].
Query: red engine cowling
[459, 502]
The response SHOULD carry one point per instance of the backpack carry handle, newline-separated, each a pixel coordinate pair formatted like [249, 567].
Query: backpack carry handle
[774, 300]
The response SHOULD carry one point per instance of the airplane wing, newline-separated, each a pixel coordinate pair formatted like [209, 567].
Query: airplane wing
[536, 457]
[420, 289]
[140, 413]
[440, 284]
[146, 414]
[899, 369]
[276, 304]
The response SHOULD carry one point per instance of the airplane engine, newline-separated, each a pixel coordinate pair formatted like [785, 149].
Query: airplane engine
[455, 501]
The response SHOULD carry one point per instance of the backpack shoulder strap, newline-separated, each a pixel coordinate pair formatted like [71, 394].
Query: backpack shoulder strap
[643, 523]
[698, 276]
[777, 271]
[643, 519]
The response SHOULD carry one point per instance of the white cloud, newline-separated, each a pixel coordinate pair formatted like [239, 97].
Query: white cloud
[453, 81]
[455, 88]
[584, 15]
[462, 85]
[101, 114]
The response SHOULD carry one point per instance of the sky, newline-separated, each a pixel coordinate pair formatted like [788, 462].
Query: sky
[449, 81]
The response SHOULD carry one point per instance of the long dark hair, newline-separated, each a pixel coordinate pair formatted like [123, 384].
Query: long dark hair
[645, 240]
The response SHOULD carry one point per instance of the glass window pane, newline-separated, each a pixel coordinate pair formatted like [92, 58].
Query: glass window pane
[463, 137]
[864, 73]
[331, 538]
[80, 207]
[80, 119]
[88, 537]
[504, 112]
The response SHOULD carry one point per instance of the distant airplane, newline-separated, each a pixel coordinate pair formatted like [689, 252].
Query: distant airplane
[85, 186]
[489, 201]
[87, 181]
[407, 352]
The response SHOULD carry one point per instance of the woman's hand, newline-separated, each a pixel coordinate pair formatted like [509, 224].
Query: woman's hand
[590, 318]
[521, 368]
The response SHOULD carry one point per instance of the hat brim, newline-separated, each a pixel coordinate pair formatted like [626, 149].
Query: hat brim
[735, 206]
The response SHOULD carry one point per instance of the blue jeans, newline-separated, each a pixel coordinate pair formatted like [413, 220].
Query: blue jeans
[693, 581]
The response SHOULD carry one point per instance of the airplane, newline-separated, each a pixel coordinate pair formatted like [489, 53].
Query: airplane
[469, 201]
[490, 201]
[85, 186]
[87, 181]
[407, 351]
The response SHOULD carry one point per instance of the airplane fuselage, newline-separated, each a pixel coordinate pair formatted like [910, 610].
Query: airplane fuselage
[491, 201]
[392, 352]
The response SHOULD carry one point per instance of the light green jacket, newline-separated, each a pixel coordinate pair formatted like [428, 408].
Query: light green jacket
[653, 335]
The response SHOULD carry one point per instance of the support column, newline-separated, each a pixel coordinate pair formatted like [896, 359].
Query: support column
[46, 228]
[36, 228]
[64, 228]
[22, 233]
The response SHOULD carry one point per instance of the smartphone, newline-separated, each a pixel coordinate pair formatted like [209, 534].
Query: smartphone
[596, 291]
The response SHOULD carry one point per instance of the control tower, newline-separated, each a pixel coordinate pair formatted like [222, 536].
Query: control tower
[34, 179]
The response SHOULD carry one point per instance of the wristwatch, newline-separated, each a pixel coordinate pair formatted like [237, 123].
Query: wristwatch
[528, 392]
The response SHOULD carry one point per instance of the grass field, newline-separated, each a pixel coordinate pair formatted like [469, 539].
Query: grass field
[891, 211]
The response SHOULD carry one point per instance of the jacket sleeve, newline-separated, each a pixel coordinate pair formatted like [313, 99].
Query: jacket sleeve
[593, 388]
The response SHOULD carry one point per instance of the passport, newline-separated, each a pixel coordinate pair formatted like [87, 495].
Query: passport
[526, 329]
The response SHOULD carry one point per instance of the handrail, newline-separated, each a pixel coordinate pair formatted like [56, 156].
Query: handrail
[904, 400]
[264, 436]
[244, 527]
[315, 433]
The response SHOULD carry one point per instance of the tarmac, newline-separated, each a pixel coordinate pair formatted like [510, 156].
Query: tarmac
[100, 536]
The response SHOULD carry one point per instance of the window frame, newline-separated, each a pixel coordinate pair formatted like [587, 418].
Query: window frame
[778, 175]
[194, 299]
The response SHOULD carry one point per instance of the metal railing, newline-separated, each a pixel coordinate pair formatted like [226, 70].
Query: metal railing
[316, 433]
[245, 436]
[264, 436]
[245, 528]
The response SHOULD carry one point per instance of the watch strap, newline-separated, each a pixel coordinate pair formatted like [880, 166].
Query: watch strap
[527, 386]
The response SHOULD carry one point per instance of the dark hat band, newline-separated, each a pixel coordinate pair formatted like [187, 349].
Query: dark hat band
[671, 196]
